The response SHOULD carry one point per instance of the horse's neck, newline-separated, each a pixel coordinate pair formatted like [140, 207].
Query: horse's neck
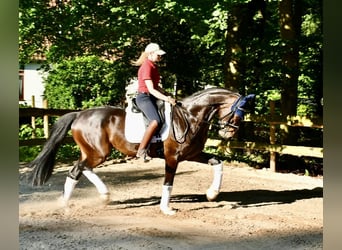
[204, 107]
[203, 112]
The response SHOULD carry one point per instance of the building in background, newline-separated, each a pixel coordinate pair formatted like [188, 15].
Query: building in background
[31, 85]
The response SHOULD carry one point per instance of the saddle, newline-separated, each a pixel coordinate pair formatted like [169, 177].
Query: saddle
[160, 106]
[136, 119]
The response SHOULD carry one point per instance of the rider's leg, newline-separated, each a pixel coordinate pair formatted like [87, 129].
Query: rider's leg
[150, 131]
[148, 106]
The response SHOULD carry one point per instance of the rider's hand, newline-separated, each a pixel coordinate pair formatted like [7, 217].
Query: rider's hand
[171, 100]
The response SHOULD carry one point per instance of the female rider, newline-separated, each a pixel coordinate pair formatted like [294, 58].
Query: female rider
[148, 92]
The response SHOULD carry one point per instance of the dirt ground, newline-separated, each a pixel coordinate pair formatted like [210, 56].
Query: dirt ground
[256, 209]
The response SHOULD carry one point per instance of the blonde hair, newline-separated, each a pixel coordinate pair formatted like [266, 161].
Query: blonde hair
[141, 59]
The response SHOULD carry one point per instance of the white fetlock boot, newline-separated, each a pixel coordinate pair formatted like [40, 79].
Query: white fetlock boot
[165, 200]
[214, 189]
[100, 186]
[69, 187]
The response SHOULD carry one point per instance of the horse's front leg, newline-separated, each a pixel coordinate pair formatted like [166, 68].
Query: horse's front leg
[170, 172]
[214, 189]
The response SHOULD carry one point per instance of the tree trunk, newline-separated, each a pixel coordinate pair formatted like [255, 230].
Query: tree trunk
[290, 26]
[233, 65]
[290, 22]
[242, 28]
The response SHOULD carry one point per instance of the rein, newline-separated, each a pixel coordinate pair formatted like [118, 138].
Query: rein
[234, 108]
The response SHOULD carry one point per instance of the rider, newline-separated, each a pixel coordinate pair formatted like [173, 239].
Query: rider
[148, 92]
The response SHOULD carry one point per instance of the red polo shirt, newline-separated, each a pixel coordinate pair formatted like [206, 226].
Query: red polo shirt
[147, 71]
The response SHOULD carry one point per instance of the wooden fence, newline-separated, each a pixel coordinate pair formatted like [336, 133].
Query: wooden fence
[272, 120]
[45, 113]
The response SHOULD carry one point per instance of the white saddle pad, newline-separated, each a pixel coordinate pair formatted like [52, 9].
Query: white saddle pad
[135, 126]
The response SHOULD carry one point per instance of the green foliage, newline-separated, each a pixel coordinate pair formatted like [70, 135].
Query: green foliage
[192, 32]
[68, 152]
[310, 81]
[26, 130]
[91, 44]
[28, 153]
[84, 82]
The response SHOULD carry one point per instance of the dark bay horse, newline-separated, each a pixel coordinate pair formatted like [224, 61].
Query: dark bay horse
[97, 130]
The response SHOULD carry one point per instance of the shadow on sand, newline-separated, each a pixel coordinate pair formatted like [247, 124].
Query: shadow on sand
[247, 198]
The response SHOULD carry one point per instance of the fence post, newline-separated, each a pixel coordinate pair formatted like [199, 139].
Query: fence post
[46, 120]
[273, 154]
[33, 119]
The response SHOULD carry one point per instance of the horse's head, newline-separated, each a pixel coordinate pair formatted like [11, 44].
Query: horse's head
[230, 116]
[229, 125]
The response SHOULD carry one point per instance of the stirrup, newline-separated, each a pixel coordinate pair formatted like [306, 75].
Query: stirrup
[142, 154]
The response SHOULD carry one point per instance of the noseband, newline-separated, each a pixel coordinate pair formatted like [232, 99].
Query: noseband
[235, 109]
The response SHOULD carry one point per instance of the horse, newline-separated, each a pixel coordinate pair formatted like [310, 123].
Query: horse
[100, 129]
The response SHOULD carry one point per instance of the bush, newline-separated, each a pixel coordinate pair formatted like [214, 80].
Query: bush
[28, 153]
[85, 82]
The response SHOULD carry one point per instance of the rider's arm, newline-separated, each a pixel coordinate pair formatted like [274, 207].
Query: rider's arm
[158, 94]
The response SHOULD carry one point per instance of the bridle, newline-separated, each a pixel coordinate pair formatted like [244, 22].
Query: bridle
[237, 111]
[230, 115]
[223, 126]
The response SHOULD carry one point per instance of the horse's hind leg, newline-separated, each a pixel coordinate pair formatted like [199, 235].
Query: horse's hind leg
[71, 180]
[73, 177]
[92, 156]
[100, 186]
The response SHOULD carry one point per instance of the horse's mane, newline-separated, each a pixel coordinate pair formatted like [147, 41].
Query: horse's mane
[205, 92]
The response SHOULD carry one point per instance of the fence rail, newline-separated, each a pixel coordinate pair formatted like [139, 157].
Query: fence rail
[29, 112]
[276, 148]
[271, 119]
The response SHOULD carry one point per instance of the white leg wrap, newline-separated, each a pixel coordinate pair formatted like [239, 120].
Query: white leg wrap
[218, 172]
[69, 186]
[214, 189]
[165, 200]
[93, 178]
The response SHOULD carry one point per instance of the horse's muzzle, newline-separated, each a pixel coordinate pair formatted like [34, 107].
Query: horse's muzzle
[227, 133]
[229, 128]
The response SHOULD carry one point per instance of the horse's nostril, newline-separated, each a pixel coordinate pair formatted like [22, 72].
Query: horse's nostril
[222, 133]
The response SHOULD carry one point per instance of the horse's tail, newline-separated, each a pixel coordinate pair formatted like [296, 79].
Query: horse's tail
[43, 164]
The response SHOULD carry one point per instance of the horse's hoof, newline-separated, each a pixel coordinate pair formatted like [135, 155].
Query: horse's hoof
[105, 198]
[168, 211]
[212, 194]
[62, 202]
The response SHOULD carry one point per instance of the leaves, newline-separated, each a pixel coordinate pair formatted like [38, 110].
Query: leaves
[193, 33]
[84, 82]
